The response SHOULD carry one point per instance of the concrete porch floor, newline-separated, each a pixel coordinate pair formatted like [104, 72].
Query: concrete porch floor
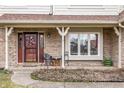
[72, 65]
[58, 67]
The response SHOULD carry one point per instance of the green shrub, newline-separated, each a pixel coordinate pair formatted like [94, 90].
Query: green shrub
[107, 62]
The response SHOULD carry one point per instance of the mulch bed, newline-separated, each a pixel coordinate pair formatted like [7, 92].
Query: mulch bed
[78, 75]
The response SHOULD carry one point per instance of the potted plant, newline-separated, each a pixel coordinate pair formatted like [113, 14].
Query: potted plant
[107, 62]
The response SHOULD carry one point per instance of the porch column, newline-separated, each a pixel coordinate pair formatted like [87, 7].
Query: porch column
[118, 33]
[62, 32]
[8, 32]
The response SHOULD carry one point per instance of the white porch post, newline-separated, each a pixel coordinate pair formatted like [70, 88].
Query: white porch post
[63, 33]
[118, 33]
[8, 32]
[119, 45]
[63, 49]
[6, 49]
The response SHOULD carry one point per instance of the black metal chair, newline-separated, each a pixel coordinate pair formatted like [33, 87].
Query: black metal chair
[48, 59]
[66, 58]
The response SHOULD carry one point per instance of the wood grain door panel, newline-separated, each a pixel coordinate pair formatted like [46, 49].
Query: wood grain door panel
[31, 47]
[28, 47]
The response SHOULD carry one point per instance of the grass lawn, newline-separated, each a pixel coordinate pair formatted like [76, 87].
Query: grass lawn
[5, 80]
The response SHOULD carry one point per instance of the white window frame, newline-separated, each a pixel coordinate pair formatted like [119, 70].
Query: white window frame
[87, 57]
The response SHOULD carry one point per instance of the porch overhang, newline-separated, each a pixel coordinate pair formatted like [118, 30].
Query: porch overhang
[57, 23]
[29, 24]
[61, 21]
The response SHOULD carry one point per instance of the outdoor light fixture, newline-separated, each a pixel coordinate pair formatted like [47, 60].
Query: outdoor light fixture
[48, 35]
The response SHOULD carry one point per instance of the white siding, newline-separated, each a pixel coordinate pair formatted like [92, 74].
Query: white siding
[64, 9]
[25, 9]
[87, 10]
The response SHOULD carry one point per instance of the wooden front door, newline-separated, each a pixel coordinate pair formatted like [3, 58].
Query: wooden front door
[30, 47]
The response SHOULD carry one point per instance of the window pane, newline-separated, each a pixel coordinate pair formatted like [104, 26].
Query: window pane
[41, 48]
[30, 40]
[84, 44]
[20, 40]
[41, 40]
[93, 44]
[74, 44]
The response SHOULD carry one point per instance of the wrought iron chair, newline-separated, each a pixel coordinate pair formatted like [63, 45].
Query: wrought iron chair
[66, 54]
[48, 59]
[66, 58]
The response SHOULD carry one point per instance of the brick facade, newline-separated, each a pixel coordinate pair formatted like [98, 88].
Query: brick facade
[122, 45]
[110, 45]
[2, 47]
[107, 44]
[13, 49]
[52, 45]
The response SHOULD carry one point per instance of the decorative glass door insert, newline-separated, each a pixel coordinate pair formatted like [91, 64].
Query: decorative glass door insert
[30, 47]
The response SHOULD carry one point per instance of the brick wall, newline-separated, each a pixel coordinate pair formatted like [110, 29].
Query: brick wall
[110, 45]
[114, 48]
[2, 48]
[122, 47]
[13, 48]
[107, 44]
[53, 45]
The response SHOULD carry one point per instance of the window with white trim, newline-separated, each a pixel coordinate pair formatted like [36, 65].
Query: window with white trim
[84, 44]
